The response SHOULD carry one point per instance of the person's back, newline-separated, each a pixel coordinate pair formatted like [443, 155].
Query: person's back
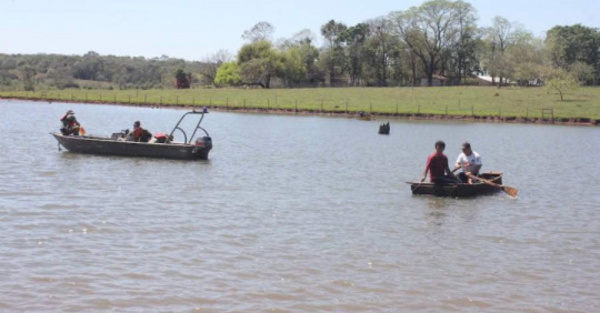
[140, 134]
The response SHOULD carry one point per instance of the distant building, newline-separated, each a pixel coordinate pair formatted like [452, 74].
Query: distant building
[487, 80]
[436, 81]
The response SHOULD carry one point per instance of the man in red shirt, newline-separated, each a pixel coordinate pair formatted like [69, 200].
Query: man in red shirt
[437, 166]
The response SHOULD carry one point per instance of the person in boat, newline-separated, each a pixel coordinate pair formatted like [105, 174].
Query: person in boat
[70, 125]
[437, 166]
[470, 161]
[140, 134]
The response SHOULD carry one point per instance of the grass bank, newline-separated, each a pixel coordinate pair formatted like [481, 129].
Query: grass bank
[523, 104]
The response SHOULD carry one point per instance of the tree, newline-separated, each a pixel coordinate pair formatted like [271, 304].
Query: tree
[331, 32]
[212, 63]
[561, 81]
[381, 50]
[354, 39]
[577, 43]
[292, 70]
[261, 31]
[463, 51]
[259, 62]
[428, 30]
[183, 79]
[501, 36]
[228, 74]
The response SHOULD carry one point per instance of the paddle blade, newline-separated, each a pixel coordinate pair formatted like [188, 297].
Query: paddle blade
[510, 191]
[81, 130]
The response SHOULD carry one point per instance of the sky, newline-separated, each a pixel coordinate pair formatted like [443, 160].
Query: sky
[196, 30]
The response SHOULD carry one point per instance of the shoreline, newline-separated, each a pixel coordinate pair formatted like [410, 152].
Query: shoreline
[374, 115]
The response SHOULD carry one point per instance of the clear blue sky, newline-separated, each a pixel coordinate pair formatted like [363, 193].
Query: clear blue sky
[193, 30]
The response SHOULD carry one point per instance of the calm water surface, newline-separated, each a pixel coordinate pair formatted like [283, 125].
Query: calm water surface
[294, 214]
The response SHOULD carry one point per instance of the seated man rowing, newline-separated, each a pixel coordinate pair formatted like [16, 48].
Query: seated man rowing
[437, 165]
[470, 161]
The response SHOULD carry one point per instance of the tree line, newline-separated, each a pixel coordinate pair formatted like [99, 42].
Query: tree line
[439, 38]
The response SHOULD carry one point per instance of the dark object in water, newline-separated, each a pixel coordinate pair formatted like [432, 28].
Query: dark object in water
[384, 129]
[118, 144]
[458, 190]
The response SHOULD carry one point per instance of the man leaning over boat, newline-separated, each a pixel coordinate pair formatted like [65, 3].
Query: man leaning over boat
[470, 161]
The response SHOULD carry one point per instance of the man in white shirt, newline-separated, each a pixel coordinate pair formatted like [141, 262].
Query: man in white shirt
[470, 161]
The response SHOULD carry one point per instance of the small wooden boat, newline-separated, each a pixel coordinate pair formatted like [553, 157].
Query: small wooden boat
[460, 190]
[364, 116]
[117, 144]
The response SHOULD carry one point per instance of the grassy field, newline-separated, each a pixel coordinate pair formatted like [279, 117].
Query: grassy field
[583, 103]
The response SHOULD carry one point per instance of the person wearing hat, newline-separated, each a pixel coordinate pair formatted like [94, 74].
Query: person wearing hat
[140, 134]
[470, 161]
[70, 125]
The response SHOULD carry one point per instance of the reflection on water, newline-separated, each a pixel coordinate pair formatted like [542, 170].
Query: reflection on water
[296, 214]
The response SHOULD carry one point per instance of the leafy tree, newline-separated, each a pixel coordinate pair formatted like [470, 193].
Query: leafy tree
[228, 74]
[292, 70]
[463, 57]
[354, 39]
[28, 73]
[428, 30]
[571, 44]
[561, 81]
[331, 31]
[183, 79]
[208, 70]
[500, 37]
[259, 63]
[381, 51]
[261, 31]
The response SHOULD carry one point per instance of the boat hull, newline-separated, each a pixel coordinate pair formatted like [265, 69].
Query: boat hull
[107, 146]
[458, 190]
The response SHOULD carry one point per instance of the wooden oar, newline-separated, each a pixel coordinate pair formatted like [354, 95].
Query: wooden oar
[509, 190]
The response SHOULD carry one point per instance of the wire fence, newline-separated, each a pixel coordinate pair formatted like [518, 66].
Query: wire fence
[336, 106]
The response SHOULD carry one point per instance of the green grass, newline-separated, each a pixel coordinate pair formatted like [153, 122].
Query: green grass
[461, 101]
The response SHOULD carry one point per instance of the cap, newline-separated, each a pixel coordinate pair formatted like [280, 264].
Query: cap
[136, 123]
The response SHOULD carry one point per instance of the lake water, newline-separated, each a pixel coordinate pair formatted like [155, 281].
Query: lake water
[294, 214]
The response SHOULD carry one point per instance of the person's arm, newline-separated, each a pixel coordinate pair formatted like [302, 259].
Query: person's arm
[477, 165]
[425, 174]
[426, 170]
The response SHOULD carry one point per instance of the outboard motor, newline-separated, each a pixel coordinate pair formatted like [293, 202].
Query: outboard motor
[204, 142]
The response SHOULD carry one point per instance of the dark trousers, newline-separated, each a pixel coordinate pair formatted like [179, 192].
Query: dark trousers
[463, 177]
[444, 180]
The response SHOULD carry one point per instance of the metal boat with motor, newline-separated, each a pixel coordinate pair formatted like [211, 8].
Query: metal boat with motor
[119, 144]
